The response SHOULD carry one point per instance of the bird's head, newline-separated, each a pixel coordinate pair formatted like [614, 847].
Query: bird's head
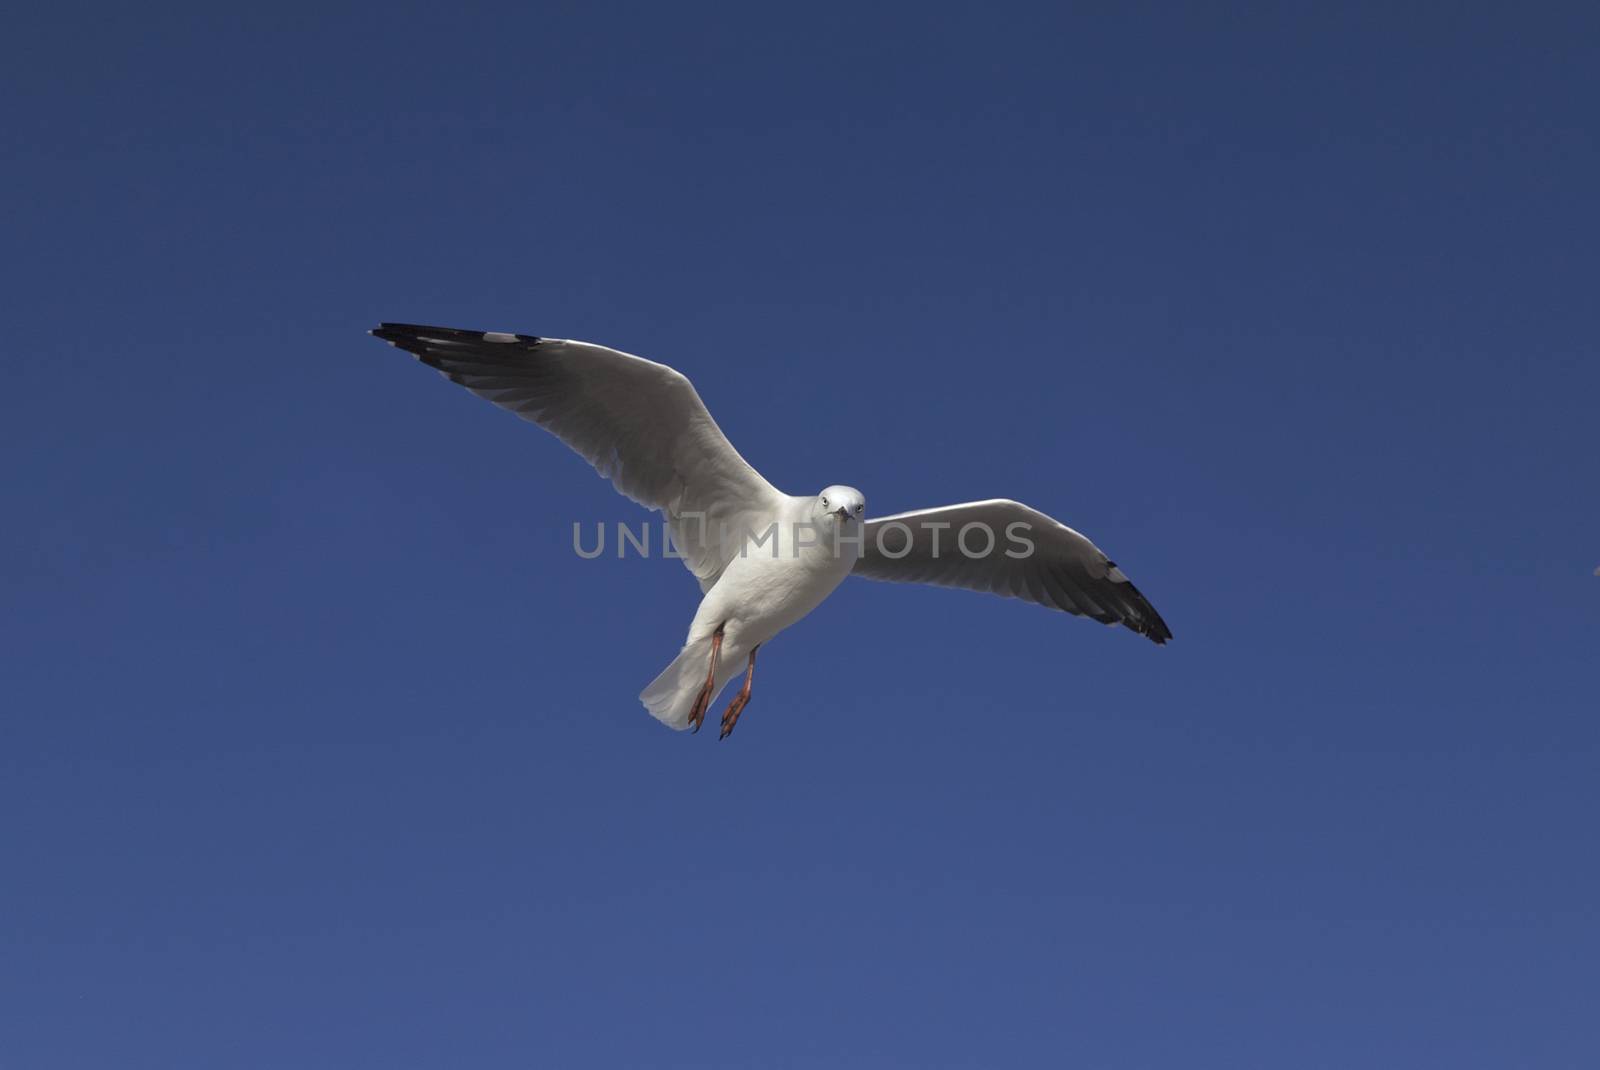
[841, 503]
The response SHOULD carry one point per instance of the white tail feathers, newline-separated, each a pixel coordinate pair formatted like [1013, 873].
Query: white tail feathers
[670, 696]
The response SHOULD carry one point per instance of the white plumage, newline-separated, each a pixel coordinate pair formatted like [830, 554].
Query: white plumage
[764, 559]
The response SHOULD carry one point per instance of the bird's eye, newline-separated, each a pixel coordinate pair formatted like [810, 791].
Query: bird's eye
[824, 499]
[859, 508]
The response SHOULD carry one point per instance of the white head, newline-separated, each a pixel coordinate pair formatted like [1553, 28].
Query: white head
[841, 503]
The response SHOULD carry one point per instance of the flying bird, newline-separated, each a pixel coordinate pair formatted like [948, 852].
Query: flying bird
[764, 559]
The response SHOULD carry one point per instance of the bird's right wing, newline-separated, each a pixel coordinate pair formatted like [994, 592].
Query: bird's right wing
[1013, 551]
[641, 424]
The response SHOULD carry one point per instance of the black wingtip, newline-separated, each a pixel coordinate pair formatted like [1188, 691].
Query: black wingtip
[418, 338]
[1146, 621]
[1150, 625]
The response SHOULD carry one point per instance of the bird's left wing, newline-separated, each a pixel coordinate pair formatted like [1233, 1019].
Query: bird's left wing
[1005, 548]
[641, 424]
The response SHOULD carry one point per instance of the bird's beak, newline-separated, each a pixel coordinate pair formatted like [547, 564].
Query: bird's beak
[842, 513]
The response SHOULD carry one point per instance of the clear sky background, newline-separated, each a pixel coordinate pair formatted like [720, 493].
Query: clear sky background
[320, 749]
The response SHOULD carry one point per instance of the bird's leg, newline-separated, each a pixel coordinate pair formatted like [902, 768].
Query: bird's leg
[741, 700]
[697, 715]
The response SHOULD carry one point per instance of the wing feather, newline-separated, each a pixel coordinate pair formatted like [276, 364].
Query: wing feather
[641, 424]
[1063, 570]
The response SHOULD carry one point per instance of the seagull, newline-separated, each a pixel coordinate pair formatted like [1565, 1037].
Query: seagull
[764, 559]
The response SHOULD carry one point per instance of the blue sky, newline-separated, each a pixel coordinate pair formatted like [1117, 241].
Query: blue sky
[320, 748]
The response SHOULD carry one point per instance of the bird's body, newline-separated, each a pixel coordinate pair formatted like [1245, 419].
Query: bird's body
[763, 559]
[764, 589]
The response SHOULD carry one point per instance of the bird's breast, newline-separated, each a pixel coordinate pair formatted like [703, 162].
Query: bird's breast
[780, 585]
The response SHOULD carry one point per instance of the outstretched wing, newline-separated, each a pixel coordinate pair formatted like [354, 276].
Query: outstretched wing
[1010, 550]
[639, 423]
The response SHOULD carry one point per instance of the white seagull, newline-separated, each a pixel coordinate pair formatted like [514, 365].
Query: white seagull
[764, 559]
